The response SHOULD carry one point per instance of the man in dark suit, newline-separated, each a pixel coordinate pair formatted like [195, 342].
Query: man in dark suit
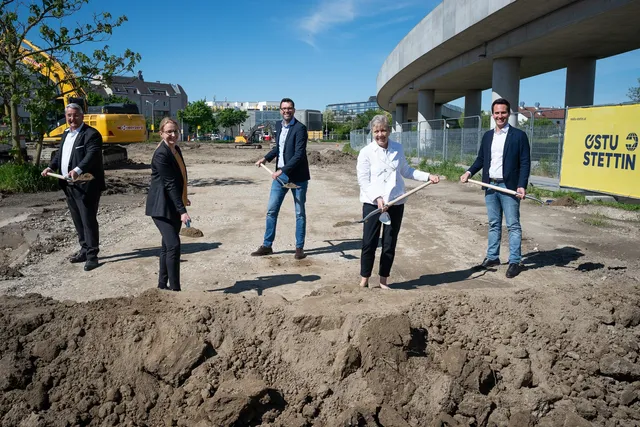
[292, 166]
[80, 153]
[504, 158]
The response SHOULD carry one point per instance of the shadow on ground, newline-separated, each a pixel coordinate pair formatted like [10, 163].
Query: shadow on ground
[265, 282]
[441, 278]
[208, 182]
[185, 248]
[334, 246]
[559, 257]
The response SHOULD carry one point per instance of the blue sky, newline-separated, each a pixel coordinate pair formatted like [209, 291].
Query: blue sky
[317, 52]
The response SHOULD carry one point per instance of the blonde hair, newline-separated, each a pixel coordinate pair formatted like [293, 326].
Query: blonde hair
[166, 120]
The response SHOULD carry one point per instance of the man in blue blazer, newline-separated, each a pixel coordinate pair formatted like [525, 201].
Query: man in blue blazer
[292, 166]
[81, 152]
[505, 161]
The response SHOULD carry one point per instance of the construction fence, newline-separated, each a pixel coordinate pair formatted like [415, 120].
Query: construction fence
[458, 140]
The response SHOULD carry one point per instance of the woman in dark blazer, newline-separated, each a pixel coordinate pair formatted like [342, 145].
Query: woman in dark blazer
[167, 201]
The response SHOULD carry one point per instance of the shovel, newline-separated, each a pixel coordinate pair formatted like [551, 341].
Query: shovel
[287, 185]
[80, 178]
[503, 190]
[377, 211]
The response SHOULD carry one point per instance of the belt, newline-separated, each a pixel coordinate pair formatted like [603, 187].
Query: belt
[495, 181]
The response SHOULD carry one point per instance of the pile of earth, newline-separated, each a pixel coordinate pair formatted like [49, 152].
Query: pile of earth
[22, 244]
[335, 358]
[564, 201]
[329, 157]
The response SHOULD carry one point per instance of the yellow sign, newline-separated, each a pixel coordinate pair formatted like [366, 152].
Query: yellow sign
[600, 150]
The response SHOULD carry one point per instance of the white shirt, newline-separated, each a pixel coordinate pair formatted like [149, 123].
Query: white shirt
[380, 172]
[67, 149]
[497, 151]
[282, 139]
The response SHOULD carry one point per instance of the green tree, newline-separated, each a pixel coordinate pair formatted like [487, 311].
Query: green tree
[94, 98]
[198, 113]
[230, 118]
[23, 70]
[362, 120]
[634, 92]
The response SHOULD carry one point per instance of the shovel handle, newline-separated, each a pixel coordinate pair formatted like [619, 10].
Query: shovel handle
[503, 190]
[55, 175]
[396, 200]
[269, 170]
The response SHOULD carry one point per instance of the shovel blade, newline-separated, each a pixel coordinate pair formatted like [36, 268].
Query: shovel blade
[290, 185]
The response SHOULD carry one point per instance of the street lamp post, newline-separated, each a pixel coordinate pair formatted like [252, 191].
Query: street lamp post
[153, 123]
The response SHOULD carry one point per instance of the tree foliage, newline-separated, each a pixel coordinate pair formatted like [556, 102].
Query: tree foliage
[94, 98]
[634, 93]
[198, 113]
[230, 118]
[26, 72]
[362, 120]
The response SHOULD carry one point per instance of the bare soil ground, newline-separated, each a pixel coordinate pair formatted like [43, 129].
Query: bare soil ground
[272, 341]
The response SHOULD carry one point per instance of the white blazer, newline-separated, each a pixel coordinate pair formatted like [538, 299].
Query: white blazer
[380, 172]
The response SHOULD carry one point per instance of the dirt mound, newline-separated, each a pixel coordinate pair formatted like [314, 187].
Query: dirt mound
[564, 201]
[191, 232]
[329, 157]
[131, 183]
[161, 359]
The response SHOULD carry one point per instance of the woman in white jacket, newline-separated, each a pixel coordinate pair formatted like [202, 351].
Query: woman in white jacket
[381, 166]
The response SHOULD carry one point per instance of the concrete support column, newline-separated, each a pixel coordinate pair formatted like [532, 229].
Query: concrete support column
[472, 103]
[472, 108]
[393, 121]
[437, 112]
[426, 111]
[581, 79]
[401, 116]
[426, 105]
[505, 83]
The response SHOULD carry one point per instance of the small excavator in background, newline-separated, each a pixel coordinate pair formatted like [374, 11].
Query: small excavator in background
[260, 132]
[119, 124]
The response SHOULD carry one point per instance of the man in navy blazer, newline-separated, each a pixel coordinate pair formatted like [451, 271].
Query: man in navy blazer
[292, 166]
[81, 152]
[504, 158]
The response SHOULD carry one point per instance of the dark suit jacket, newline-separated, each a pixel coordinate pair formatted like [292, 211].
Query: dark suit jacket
[296, 165]
[516, 160]
[165, 192]
[87, 155]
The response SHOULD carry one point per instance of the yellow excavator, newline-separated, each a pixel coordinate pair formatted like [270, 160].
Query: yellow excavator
[119, 124]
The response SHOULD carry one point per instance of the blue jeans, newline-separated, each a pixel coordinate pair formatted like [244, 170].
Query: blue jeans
[276, 197]
[497, 204]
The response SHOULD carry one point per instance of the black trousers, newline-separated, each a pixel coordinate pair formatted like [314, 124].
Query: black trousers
[370, 237]
[84, 212]
[170, 252]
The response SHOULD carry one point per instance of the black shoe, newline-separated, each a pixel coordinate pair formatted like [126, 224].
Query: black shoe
[300, 254]
[77, 257]
[487, 263]
[262, 250]
[91, 264]
[513, 270]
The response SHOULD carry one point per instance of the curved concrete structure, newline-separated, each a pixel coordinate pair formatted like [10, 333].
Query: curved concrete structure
[465, 46]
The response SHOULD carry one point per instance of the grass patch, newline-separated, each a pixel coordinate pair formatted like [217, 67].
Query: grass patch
[447, 169]
[596, 220]
[618, 205]
[24, 178]
[555, 194]
[347, 149]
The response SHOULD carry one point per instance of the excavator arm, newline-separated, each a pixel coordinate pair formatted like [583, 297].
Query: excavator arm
[68, 88]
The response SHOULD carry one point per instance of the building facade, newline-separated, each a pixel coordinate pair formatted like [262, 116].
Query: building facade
[154, 99]
[349, 110]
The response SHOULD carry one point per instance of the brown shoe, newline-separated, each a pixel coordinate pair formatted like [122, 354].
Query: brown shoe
[262, 250]
[300, 253]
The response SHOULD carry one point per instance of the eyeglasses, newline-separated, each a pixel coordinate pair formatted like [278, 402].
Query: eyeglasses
[171, 132]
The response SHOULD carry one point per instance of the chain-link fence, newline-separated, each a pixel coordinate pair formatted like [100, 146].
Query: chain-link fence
[458, 140]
